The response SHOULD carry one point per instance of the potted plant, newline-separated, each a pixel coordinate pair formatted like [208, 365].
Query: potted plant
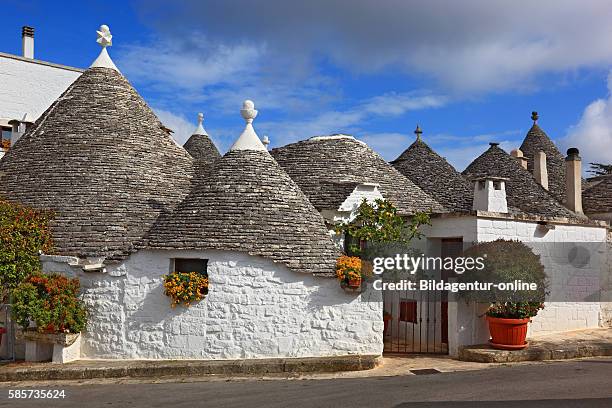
[348, 271]
[508, 323]
[509, 311]
[51, 302]
[185, 288]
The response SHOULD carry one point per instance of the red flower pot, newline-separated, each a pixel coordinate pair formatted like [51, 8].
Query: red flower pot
[508, 334]
[354, 283]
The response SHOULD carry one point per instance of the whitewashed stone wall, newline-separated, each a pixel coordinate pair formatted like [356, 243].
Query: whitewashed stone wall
[557, 316]
[254, 309]
[467, 324]
[606, 306]
[30, 87]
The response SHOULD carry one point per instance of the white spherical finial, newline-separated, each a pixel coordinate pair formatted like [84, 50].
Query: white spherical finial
[265, 140]
[200, 118]
[248, 111]
[105, 39]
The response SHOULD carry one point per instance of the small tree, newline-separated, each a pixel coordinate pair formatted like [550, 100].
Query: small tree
[380, 223]
[51, 301]
[24, 232]
[507, 261]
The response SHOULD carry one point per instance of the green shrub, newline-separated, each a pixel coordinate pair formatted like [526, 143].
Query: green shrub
[51, 301]
[24, 232]
[380, 223]
[507, 261]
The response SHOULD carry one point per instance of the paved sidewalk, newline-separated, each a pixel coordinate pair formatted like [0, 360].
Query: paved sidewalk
[576, 344]
[555, 346]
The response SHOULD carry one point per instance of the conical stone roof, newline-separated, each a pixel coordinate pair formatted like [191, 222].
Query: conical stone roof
[99, 159]
[522, 191]
[200, 146]
[328, 167]
[202, 149]
[537, 140]
[435, 176]
[597, 198]
[246, 202]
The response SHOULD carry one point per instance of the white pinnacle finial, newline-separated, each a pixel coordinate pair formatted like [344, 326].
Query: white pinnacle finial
[265, 140]
[248, 111]
[200, 129]
[248, 140]
[105, 39]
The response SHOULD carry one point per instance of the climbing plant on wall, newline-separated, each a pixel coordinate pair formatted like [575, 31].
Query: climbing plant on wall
[24, 232]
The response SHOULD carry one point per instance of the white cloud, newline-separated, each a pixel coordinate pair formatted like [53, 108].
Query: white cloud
[592, 135]
[189, 63]
[352, 120]
[466, 46]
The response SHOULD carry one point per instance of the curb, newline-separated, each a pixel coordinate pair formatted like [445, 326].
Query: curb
[483, 353]
[158, 368]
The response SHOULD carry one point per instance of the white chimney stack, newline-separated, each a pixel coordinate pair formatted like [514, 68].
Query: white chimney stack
[27, 41]
[540, 172]
[573, 180]
[490, 194]
[518, 155]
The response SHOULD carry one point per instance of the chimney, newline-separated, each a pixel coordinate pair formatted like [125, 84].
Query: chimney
[518, 155]
[490, 194]
[540, 172]
[27, 40]
[573, 180]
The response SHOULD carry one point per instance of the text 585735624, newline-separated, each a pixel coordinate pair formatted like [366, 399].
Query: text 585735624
[36, 394]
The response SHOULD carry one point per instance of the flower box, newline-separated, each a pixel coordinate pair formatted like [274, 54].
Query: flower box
[55, 347]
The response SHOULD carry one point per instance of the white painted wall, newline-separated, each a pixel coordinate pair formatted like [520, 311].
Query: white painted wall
[557, 316]
[467, 324]
[488, 198]
[30, 87]
[254, 309]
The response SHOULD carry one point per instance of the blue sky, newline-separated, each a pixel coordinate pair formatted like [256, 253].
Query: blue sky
[468, 72]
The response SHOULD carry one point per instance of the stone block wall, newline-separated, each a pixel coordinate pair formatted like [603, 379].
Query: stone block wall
[254, 309]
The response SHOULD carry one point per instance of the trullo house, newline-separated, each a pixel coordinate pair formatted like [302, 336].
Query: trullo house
[129, 210]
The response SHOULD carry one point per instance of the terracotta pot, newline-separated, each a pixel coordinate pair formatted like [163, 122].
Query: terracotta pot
[508, 334]
[354, 283]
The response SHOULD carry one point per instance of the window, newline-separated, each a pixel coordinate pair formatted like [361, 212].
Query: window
[6, 132]
[352, 245]
[189, 265]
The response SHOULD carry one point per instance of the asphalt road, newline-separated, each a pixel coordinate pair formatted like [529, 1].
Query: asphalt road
[586, 383]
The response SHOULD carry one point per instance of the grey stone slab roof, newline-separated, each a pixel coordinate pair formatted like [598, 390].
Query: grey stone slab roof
[202, 149]
[318, 165]
[598, 197]
[522, 190]
[537, 140]
[98, 158]
[435, 176]
[246, 202]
